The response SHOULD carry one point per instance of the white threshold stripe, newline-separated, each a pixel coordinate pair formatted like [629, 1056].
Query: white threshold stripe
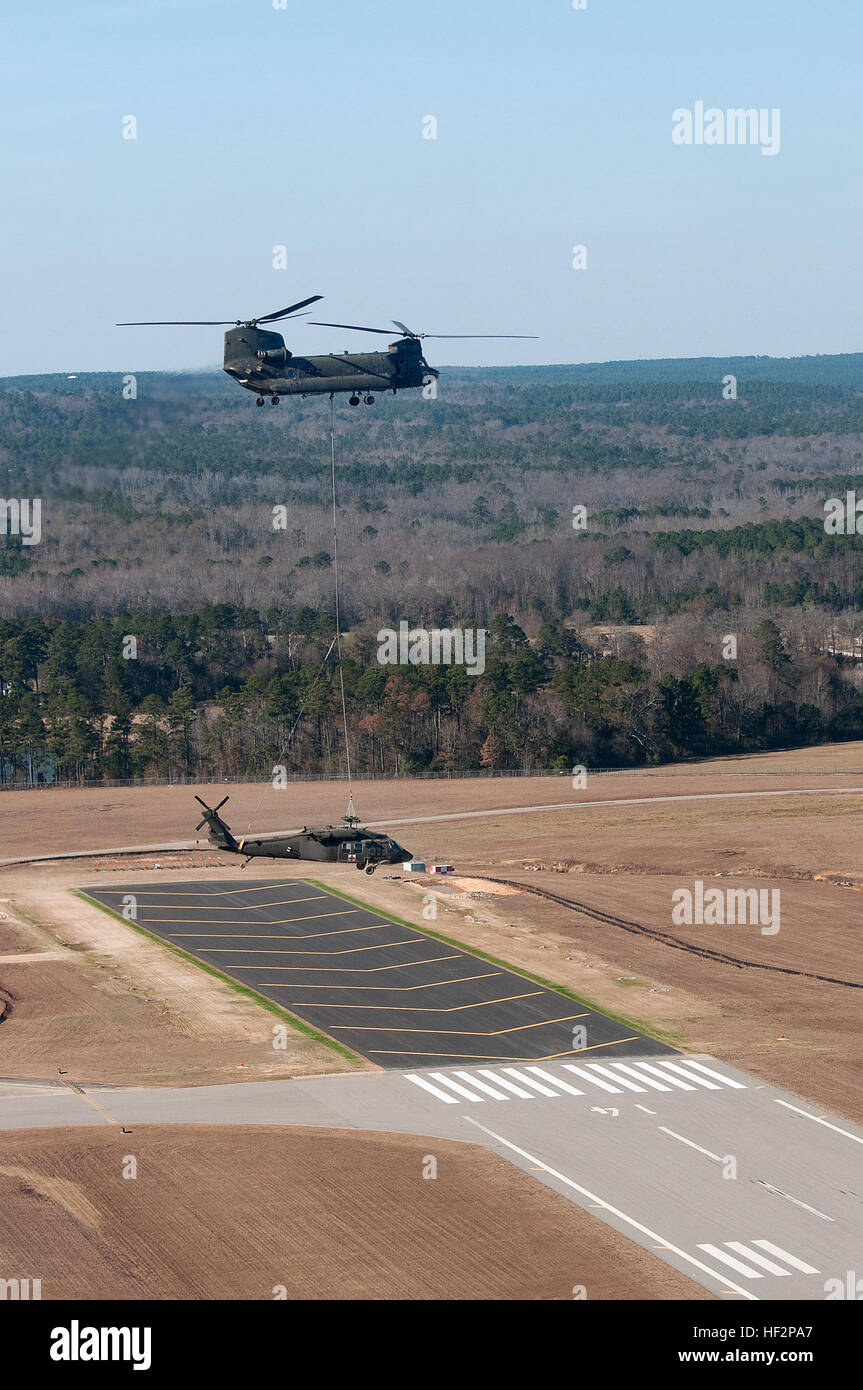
[654, 1085]
[699, 1080]
[615, 1211]
[628, 1085]
[672, 1080]
[507, 1085]
[555, 1080]
[459, 1090]
[819, 1120]
[728, 1080]
[757, 1259]
[723, 1255]
[481, 1085]
[537, 1085]
[716, 1157]
[427, 1086]
[784, 1255]
[589, 1076]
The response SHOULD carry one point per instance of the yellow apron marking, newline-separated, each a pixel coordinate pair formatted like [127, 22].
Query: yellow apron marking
[280, 922]
[457, 1032]
[374, 970]
[415, 1008]
[487, 1056]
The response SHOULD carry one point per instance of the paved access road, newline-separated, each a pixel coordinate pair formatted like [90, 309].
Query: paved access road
[389, 992]
[750, 1191]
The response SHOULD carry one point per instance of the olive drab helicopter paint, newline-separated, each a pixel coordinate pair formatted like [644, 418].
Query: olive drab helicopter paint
[341, 844]
[258, 359]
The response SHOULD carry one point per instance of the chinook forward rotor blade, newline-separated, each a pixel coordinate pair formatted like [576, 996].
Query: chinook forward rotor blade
[221, 323]
[178, 323]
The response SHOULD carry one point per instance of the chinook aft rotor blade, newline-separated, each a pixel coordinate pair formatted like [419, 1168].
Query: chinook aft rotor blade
[292, 308]
[356, 327]
[474, 335]
[409, 333]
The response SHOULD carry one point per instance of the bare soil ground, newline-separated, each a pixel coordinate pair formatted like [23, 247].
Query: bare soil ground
[798, 1032]
[113, 1006]
[313, 1214]
[48, 821]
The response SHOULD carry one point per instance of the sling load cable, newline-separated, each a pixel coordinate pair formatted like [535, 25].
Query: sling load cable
[336, 642]
[350, 813]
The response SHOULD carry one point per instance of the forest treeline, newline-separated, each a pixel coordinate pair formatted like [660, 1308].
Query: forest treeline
[540, 503]
[215, 693]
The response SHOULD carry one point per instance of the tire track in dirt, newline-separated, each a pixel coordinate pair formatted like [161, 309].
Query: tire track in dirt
[665, 938]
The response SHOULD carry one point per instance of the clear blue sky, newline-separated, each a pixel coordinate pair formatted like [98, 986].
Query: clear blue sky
[303, 127]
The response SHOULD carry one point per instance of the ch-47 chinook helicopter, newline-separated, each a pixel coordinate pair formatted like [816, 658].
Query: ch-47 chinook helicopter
[259, 360]
[341, 844]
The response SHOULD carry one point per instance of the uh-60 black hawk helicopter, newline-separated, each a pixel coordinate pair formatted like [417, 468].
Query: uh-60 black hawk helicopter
[259, 360]
[342, 844]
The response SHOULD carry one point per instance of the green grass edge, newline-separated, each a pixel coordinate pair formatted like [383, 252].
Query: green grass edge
[298, 1024]
[656, 1033]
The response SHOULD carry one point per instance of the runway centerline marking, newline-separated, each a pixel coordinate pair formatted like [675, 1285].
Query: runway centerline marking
[692, 1145]
[615, 1211]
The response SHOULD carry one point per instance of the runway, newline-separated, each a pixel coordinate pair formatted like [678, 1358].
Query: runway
[748, 1190]
[392, 993]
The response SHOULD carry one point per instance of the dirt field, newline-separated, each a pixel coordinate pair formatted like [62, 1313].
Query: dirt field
[46, 821]
[626, 860]
[319, 1214]
[112, 1006]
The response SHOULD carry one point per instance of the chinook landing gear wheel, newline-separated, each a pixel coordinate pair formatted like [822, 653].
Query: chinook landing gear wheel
[355, 400]
[259, 401]
[370, 400]
[370, 868]
[274, 400]
[360, 864]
